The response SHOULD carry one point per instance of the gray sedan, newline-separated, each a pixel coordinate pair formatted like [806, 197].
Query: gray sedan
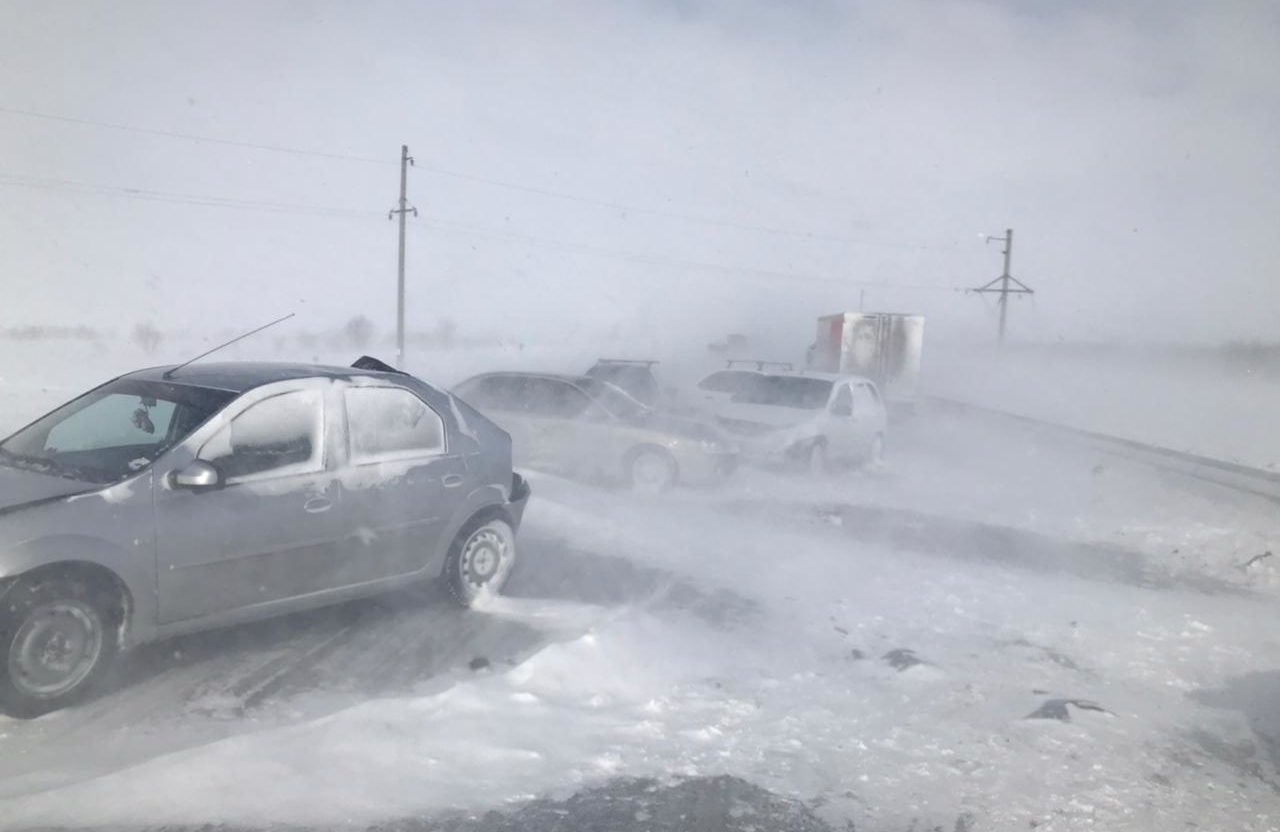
[582, 426]
[174, 500]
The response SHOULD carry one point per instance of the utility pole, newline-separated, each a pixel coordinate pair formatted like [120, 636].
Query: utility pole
[1002, 285]
[403, 210]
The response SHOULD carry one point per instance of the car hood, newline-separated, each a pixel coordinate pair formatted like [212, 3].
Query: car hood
[22, 489]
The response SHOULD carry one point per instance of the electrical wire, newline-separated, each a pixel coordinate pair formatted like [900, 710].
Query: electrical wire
[618, 206]
[467, 177]
[658, 259]
[145, 194]
[442, 224]
[173, 134]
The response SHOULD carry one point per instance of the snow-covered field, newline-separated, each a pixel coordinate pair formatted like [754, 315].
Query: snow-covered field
[1190, 403]
[872, 643]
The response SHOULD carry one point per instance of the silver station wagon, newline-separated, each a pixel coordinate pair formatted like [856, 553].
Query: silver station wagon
[172, 500]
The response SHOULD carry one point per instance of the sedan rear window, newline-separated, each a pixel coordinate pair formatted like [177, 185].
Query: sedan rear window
[727, 381]
[786, 391]
[390, 423]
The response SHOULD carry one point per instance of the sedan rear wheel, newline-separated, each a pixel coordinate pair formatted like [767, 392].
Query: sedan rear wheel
[57, 640]
[480, 561]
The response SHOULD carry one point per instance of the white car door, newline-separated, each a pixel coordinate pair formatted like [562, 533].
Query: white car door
[844, 433]
[869, 414]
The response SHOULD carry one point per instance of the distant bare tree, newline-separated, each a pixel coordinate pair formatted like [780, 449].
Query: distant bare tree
[359, 331]
[147, 337]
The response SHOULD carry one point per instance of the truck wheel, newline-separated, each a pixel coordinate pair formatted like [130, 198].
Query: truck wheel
[58, 639]
[480, 560]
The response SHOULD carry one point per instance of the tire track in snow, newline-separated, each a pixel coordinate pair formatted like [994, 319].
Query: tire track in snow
[195, 689]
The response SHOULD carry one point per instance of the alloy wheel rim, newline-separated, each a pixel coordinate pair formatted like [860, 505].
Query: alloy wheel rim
[484, 558]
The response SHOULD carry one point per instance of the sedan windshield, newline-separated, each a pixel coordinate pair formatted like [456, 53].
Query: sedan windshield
[113, 431]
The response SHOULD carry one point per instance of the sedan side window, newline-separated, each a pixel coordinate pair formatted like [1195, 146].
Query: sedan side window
[726, 381]
[867, 397]
[490, 392]
[555, 399]
[277, 436]
[388, 423]
[842, 405]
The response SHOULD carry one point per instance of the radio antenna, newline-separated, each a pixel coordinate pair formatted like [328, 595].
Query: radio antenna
[169, 373]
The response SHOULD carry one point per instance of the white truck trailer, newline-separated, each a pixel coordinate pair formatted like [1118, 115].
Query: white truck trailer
[882, 346]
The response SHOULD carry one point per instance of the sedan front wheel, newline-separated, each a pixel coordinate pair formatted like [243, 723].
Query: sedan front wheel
[57, 639]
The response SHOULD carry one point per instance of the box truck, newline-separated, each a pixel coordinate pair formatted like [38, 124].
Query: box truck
[882, 346]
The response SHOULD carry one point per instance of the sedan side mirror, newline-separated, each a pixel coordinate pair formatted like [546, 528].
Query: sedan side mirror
[197, 474]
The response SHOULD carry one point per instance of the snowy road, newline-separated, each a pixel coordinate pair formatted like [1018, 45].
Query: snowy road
[193, 689]
[872, 644]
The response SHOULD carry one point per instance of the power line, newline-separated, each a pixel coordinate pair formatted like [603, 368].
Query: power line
[618, 206]
[209, 201]
[658, 259]
[173, 134]
[467, 177]
[148, 195]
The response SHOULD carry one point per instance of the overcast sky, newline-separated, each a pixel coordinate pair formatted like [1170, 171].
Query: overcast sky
[737, 165]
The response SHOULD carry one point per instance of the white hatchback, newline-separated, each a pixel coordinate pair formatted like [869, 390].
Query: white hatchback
[820, 419]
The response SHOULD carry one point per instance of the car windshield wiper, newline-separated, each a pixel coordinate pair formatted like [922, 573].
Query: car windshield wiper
[32, 463]
[47, 466]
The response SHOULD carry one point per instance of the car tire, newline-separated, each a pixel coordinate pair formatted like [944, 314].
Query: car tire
[480, 560]
[651, 471]
[58, 638]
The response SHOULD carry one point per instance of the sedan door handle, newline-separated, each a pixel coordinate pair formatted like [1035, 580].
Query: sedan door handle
[315, 505]
[452, 480]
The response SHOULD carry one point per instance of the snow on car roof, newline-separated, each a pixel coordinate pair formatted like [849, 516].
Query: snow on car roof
[239, 376]
[566, 377]
[821, 376]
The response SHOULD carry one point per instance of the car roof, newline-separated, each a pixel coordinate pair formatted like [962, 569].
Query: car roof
[822, 376]
[239, 376]
[625, 362]
[814, 374]
[565, 377]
